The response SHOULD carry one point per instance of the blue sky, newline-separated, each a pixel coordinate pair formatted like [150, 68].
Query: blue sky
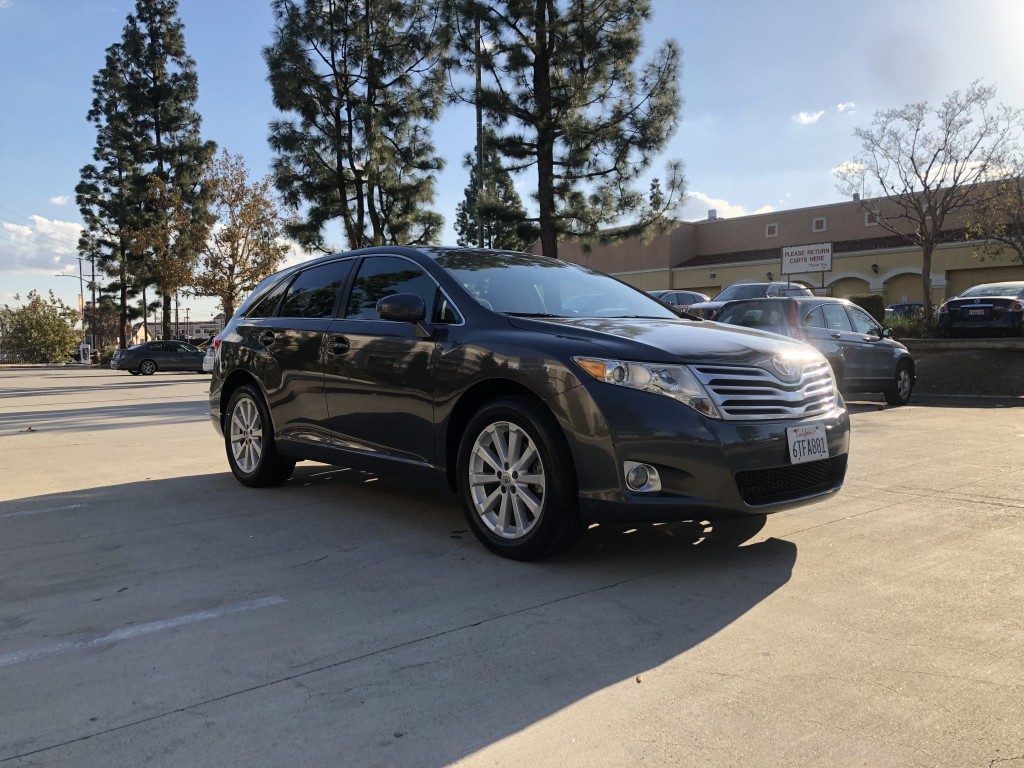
[773, 92]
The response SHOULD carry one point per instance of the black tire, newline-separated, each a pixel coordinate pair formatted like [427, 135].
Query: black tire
[528, 508]
[252, 455]
[899, 392]
[147, 367]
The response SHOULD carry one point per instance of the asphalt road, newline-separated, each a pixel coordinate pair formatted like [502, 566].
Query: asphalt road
[155, 612]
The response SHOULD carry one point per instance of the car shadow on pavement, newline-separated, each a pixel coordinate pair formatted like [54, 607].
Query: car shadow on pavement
[394, 637]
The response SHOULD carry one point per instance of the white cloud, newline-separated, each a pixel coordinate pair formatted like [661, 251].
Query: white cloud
[6, 4]
[846, 106]
[849, 169]
[59, 199]
[808, 118]
[698, 204]
[45, 245]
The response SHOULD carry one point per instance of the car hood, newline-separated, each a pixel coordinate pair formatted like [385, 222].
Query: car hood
[664, 341]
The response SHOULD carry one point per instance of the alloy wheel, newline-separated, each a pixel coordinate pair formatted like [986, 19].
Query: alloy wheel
[246, 435]
[506, 480]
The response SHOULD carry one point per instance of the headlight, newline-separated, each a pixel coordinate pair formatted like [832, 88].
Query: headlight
[675, 381]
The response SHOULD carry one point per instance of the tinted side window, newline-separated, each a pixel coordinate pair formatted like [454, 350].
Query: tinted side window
[835, 318]
[862, 321]
[814, 318]
[313, 292]
[265, 307]
[381, 276]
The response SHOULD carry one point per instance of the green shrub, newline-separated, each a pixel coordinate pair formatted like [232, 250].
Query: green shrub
[873, 304]
[913, 327]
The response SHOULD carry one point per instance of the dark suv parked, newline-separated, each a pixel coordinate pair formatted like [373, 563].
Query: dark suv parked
[738, 291]
[547, 395]
[863, 355]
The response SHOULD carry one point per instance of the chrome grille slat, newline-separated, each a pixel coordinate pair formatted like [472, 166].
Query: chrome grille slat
[751, 392]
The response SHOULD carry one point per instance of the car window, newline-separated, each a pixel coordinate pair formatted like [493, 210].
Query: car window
[835, 318]
[815, 318]
[524, 284]
[155, 347]
[187, 348]
[265, 306]
[740, 292]
[314, 291]
[381, 276]
[863, 322]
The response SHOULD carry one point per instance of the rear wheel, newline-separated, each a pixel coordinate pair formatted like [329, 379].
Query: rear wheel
[249, 439]
[518, 482]
[902, 386]
[147, 367]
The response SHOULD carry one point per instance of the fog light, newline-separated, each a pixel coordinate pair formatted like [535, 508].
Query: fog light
[641, 478]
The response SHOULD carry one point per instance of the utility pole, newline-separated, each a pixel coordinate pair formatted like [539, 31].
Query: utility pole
[479, 139]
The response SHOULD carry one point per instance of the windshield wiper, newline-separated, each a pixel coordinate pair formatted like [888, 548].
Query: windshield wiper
[531, 314]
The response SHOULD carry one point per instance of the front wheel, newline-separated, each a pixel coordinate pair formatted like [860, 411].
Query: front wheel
[147, 367]
[902, 386]
[249, 439]
[518, 481]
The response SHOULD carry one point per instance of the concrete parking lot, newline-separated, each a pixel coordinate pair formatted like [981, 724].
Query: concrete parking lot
[155, 612]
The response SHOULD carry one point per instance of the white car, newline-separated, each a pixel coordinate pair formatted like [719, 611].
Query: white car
[208, 359]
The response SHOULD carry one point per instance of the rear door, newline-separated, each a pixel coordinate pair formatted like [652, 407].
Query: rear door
[291, 345]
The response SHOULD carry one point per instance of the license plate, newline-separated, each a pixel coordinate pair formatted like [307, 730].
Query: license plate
[807, 443]
[976, 312]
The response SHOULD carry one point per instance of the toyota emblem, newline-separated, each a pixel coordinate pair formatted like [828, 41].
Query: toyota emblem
[788, 370]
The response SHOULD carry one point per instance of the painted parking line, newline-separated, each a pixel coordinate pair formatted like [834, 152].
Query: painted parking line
[128, 633]
[24, 512]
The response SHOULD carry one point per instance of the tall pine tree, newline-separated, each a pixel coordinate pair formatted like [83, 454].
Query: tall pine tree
[493, 204]
[360, 84]
[142, 199]
[561, 89]
[163, 89]
[105, 193]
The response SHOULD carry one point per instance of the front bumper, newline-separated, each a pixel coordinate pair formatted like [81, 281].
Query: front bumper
[709, 468]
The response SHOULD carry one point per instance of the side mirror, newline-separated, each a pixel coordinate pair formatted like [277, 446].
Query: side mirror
[402, 308]
[405, 308]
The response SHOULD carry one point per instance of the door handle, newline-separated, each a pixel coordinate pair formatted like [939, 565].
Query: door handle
[837, 335]
[267, 337]
[337, 345]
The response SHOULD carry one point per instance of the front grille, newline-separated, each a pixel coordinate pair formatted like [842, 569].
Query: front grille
[770, 486]
[749, 392]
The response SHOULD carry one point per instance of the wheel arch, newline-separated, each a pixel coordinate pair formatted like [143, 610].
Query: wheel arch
[236, 379]
[471, 401]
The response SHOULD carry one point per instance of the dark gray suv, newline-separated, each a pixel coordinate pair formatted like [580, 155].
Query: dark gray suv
[547, 395]
[863, 354]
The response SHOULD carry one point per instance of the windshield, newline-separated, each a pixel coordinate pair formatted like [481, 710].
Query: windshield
[539, 286]
[999, 289]
[734, 292]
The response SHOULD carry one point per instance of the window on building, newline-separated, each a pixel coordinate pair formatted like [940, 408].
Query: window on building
[870, 219]
[771, 230]
[818, 224]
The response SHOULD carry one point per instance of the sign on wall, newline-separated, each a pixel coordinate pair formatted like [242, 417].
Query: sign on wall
[807, 258]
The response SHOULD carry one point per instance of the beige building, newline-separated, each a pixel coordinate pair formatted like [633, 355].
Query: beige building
[714, 253]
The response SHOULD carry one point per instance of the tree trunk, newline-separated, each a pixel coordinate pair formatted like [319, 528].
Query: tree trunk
[545, 136]
[926, 277]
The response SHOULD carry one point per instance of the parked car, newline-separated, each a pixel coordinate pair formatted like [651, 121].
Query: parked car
[906, 309]
[208, 358]
[152, 356]
[987, 309]
[681, 299]
[465, 367]
[713, 308]
[863, 354]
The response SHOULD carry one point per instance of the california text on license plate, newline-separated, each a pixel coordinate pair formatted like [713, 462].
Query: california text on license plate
[807, 443]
